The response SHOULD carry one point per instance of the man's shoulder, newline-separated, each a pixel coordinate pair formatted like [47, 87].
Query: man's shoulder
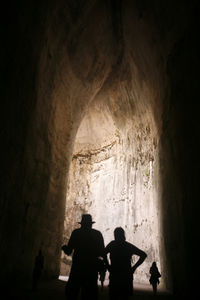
[76, 231]
[82, 230]
[96, 232]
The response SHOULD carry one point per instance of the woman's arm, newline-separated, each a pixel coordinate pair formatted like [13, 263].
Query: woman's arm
[142, 256]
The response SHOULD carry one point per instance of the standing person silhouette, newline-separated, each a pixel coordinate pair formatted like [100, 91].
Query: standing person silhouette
[87, 245]
[155, 275]
[102, 275]
[121, 270]
[37, 270]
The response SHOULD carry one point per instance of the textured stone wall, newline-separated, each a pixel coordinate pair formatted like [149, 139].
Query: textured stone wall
[113, 176]
[142, 59]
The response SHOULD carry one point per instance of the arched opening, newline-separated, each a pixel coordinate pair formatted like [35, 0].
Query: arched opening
[114, 175]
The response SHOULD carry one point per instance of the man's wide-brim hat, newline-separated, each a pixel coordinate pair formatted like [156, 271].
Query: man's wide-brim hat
[86, 219]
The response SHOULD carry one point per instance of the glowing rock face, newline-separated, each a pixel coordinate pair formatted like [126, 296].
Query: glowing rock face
[113, 177]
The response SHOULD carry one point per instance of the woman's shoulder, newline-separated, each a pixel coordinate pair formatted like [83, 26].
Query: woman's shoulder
[110, 245]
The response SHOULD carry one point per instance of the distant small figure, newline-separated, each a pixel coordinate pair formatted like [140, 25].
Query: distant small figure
[155, 275]
[37, 271]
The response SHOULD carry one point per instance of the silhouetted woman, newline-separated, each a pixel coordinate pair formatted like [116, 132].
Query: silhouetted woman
[155, 275]
[120, 268]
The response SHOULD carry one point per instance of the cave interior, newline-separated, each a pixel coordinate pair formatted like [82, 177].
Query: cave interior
[100, 115]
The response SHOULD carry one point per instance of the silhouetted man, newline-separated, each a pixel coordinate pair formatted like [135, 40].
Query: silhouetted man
[88, 245]
[121, 271]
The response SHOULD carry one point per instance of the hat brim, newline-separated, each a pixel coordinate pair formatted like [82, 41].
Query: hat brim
[86, 222]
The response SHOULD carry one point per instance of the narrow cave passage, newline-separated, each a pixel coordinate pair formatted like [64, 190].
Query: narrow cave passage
[142, 59]
[113, 176]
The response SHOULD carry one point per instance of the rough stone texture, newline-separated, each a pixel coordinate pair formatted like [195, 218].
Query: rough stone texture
[142, 58]
[113, 177]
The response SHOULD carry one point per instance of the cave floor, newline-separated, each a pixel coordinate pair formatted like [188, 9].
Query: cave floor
[54, 290]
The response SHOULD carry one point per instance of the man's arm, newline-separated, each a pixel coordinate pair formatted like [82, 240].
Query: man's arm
[103, 253]
[142, 256]
[70, 246]
[101, 245]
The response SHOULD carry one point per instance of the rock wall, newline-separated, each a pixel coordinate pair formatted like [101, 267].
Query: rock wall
[113, 176]
[142, 59]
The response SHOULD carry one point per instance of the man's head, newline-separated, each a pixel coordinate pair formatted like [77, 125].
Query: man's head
[86, 221]
[119, 234]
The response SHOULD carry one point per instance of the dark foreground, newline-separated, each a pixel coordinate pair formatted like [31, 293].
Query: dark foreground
[54, 290]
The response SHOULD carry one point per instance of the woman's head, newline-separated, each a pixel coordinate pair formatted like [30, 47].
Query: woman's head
[154, 264]
[119, 234]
